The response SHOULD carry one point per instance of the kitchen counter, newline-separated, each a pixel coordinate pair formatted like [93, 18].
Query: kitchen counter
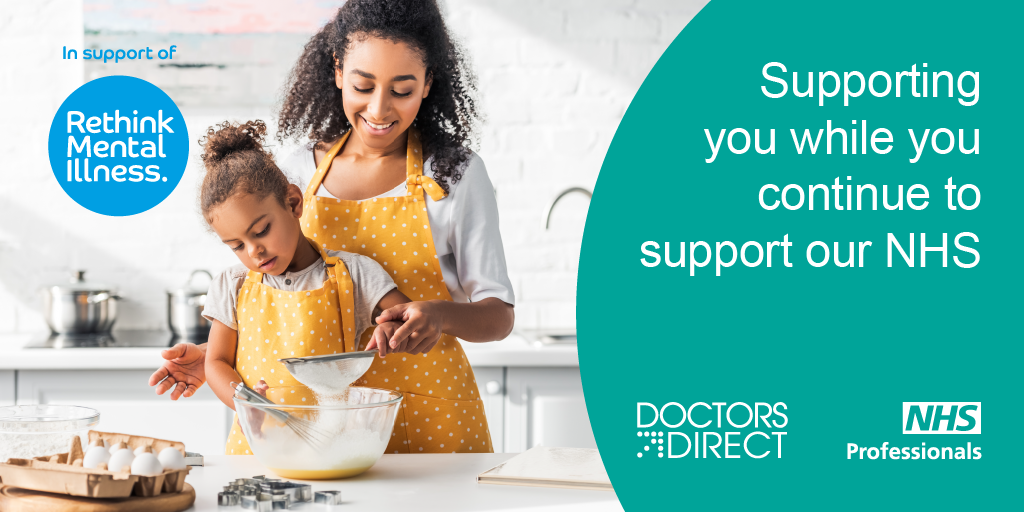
[114, 380]
[512, 351]
[421, 482]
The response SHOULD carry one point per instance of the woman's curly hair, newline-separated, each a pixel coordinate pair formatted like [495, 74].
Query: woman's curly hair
[447, 115]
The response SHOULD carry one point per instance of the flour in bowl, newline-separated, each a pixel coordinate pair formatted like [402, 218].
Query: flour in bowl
[23, 445]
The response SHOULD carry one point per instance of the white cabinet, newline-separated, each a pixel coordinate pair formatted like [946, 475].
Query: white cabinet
[6, 387]
[491, 382]
[127, 404]
[545, 406]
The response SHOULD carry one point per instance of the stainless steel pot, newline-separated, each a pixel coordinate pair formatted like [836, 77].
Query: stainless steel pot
[185, 309]
[79, 307]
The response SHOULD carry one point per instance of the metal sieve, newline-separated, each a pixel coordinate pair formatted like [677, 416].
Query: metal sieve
[332, 373]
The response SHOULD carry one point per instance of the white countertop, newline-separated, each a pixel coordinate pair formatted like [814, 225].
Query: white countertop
[512, 351]
[421, 482]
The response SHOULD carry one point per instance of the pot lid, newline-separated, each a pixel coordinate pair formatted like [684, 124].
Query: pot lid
[77, 283]
[192, 287]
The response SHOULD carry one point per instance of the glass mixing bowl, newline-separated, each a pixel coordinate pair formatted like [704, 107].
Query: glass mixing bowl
[356, 426]
[28, 431]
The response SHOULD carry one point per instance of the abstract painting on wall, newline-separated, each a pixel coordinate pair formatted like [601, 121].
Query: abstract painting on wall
[230, 56]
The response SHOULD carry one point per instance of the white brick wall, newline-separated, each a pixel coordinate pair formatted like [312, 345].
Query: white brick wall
[555, 78]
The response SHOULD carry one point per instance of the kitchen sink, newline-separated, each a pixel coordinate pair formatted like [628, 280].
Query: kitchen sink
[546, 337]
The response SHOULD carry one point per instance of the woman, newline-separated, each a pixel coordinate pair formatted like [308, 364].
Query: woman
[383, 93]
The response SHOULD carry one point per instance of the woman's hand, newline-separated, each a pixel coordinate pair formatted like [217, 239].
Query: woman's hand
[184, 370]
[489, 319]
[421, 329]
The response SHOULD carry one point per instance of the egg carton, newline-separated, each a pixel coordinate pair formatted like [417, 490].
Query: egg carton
[63, 473]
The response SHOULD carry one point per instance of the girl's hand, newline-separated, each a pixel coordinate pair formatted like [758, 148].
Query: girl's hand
[261, 388]
[381, 335]
[422, 326]
[184, 370]
[257, 416]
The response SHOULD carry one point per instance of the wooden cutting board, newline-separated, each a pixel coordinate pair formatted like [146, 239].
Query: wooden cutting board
[15, 499]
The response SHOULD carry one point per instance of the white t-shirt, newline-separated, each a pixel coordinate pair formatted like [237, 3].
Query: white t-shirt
[464, 227]
[370, 281]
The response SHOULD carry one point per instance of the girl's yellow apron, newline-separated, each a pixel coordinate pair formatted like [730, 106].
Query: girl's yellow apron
[274, 324]
[442, 411]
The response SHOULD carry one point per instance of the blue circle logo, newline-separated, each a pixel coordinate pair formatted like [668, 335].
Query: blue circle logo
[118, 145]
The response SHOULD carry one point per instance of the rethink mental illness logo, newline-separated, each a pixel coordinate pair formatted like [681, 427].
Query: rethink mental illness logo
[118, 145]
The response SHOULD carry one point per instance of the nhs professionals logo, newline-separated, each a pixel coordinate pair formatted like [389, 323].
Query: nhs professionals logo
[941, 417]
[929, 418]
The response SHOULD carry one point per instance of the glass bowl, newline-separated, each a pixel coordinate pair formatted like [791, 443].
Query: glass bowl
[28, 431]
[356, 426]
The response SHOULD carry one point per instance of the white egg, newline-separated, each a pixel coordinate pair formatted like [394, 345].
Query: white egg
[120, 459]
[95, 456]
[146, 464]
[171, 459]
[141, 449]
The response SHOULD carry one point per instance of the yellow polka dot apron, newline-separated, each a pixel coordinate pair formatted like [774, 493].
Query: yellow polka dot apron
[442, 411]
[274, 324]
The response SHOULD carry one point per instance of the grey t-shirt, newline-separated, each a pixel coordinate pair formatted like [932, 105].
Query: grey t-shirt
[370, 281]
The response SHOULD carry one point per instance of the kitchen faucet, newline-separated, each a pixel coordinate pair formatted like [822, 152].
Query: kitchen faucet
[551, 205]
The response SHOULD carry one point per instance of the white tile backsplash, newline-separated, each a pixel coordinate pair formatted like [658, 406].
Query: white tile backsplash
[555, 78]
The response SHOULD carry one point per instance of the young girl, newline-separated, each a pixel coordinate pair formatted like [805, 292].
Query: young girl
[289, 297]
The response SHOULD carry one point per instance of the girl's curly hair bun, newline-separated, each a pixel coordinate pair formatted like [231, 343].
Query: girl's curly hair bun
[228, 138]
[235, 161]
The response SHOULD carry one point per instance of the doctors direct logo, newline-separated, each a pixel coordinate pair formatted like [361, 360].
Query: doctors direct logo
[929, 418]
[118, 145]
[701, 430]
